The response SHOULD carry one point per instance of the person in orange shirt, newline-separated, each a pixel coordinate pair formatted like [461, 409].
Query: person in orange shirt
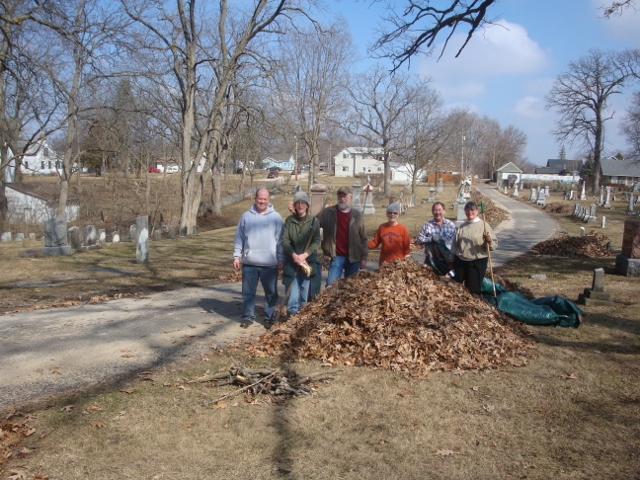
[392, 236]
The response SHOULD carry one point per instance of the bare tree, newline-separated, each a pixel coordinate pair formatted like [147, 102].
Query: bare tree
[631, 128]
[415, 25]
[378, 100]
[26, 98]
[203, 69]
[423, 135]
[581, 97]
[308, 84]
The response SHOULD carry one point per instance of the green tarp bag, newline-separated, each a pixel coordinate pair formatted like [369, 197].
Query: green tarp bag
[550, 311]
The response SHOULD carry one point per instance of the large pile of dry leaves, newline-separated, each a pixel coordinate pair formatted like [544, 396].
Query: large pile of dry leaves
[592, 245]
[401, 317]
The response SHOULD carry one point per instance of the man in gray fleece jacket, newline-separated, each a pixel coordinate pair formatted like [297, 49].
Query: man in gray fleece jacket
[257, 247]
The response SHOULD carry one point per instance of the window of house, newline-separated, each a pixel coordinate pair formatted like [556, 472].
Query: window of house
[345, 155]
[45, 151]
[364, 169]
[42, 165]
[57, 164]
[379, 169]
[49, 164]
[345, 169]
[26, 164]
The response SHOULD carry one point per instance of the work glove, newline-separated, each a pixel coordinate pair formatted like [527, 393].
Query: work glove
[487, 238]
[435, 237]
[306, 269]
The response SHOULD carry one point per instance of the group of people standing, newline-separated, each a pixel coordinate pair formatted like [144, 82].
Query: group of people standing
[264, 244]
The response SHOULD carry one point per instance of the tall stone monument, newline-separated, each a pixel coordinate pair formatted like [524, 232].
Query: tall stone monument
[55, 237]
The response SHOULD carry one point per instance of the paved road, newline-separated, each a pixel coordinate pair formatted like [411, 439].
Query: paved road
[49, 351]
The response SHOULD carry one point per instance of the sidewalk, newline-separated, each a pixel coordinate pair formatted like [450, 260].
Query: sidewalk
[51, 351]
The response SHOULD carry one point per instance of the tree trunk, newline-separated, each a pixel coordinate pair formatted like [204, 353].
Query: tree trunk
[4, 203]
[216, 193]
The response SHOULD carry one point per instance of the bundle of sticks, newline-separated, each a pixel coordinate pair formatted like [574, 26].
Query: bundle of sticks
[279, 382]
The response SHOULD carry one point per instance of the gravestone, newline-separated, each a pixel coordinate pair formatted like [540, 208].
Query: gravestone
[32, 237]
[601, 201]
[6, 236]
[515, 191]
[157, 235]
[132, 233]
[102, 237]
[596, 295]
[462, 217]
[506, 190]
[440, 185]
[318, 194]
[628, 262]
[75, 238]
[369, 209]
[142, 239]
[532, 194]
[583, 193]
[173, 232]
[607, 198]
[604, 222]
[115, 238]
[55, 237]
[583, 232]
[631, 205]
[591, 217]
[546, 191]
[541, 198]
[432, 195]
[356, 202]
[90, 234]
[19, 237]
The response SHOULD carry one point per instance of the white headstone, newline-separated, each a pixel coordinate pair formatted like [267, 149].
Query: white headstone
[604, 222]
[583, 232]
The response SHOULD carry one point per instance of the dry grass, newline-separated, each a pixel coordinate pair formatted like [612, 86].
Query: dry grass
[572, 413]
[111, 271]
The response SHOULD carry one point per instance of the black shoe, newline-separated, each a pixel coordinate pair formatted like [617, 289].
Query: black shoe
[268, 324]
[246, 323]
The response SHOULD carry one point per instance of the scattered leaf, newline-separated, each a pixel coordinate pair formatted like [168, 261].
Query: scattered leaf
[67, 408]
[445, 453]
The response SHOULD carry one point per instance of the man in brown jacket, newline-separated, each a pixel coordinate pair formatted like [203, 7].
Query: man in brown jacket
[344, 238]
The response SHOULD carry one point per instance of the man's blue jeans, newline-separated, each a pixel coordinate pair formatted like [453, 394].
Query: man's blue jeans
[268, 277]
[298, 292]
[338, 265]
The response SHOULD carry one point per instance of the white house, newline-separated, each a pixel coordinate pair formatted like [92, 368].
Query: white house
[285, 162]
[31, 206]
[402, 173]
[40, 159]
[353, 161]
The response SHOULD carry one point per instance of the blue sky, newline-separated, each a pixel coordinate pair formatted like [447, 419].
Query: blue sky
[506, 70]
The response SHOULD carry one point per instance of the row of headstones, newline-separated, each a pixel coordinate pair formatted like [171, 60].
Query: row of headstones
[539, 196]
[585, 214]
[20, 237]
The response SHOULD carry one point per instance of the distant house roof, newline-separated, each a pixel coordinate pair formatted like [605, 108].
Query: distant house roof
[565, 166]
[509, 168]
[281, 157]
[369, 150]
[48, 192]
[619, 168]
[547, 171]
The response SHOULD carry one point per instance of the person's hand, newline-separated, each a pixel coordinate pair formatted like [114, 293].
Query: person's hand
[280, 266]
[290, 207]
[435, 237]
[236, 263]
[487, 238]
[363, 263]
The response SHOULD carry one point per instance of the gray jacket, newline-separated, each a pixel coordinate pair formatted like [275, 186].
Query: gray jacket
[258, 238]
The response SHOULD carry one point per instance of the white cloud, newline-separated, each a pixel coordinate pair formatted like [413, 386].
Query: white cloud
[530, 107]
[503, 48]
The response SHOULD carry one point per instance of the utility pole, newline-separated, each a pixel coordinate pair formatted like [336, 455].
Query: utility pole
[295, 159]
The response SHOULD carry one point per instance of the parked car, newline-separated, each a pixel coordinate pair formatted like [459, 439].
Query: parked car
[172, 169]
[275, 169]
[153, 170]
[273, 174]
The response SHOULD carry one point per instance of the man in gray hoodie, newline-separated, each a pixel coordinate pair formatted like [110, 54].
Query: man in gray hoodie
[257, 247]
